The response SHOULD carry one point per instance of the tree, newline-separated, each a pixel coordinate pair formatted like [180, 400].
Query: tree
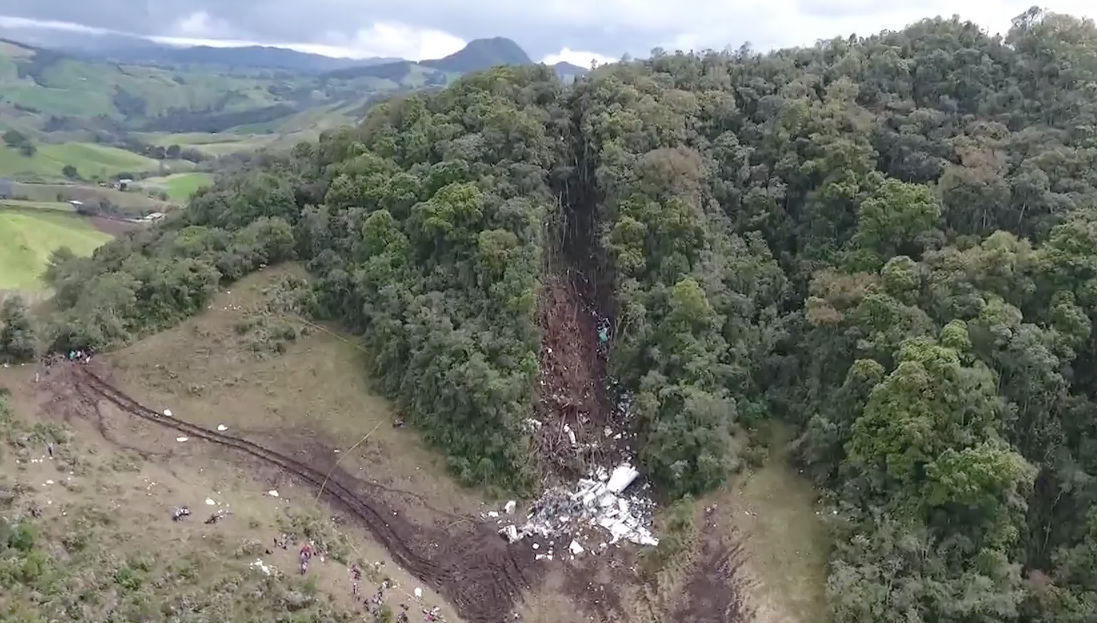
[70, 172]
[896, 220]
[17, 342]
[14, 138]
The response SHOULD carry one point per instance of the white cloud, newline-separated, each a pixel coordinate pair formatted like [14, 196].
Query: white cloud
[8, 21]
[403, 41]
[576, 57]
[382, 39]
[201, 24]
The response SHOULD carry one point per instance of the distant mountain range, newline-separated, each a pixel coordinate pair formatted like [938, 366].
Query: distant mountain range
[106, 87]
[478, 55]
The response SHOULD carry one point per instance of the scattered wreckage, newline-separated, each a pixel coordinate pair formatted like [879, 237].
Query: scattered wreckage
[598, 501]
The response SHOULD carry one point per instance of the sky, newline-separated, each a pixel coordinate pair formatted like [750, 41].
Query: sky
[577, 31]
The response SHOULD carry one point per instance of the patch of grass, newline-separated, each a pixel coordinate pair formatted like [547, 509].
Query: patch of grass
[28, 237]
[213, 144]
[178, 186]
[91, 161]
[786, 540]
[676, 536]
[21, 204]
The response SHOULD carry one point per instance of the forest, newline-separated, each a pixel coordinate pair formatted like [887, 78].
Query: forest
[887, 242]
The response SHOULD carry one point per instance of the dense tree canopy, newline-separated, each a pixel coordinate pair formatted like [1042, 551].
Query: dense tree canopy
[889, 242]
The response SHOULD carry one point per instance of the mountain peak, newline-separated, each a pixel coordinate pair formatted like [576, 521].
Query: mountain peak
[481, 54]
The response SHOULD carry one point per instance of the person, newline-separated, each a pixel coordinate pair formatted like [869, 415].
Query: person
[306, 554]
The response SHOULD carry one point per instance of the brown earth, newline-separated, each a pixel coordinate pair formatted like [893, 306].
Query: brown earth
[112, 226]
[571, 389]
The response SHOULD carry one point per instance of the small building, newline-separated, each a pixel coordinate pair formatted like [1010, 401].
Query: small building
[123, 183]
[7, 188]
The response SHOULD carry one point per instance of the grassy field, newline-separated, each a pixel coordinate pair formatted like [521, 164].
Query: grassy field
[27, 237]
[27, 204]
[318, 384]
[178, 186]
[211, 144]
[90, 160]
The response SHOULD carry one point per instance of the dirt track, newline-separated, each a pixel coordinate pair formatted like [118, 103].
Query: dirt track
[475, 570]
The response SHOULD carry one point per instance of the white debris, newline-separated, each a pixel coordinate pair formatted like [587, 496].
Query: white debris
[571, 435]
[532, 424]
[210, 502]
[222, 427]
[575, 548]
[508, 508]
[167, 412]
[510, 532]
[418, 593]
[622, 477]
[493, 514]
[258, 564]
[48, 482]
[181, 439]
[590, 502]
[536, 546]
[273, 493]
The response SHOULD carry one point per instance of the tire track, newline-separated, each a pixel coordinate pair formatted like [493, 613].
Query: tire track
[478, 573]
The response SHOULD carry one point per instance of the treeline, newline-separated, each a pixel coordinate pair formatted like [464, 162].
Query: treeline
[889, 242]
[214, 119]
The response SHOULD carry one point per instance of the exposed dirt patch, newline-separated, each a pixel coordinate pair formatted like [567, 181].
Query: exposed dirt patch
[112, 226]
[715, 590]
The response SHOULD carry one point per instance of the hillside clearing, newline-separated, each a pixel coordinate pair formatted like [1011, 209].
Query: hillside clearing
[27, 237]
[103, 511]
[178, 186]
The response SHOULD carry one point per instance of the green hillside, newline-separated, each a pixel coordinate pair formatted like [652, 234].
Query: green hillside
[28, 236]
[90, 160]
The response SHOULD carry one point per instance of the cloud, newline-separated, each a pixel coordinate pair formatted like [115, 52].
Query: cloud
[9, 21]
[576, 57]
[546, 28]
[400, 40]
[201, 24]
